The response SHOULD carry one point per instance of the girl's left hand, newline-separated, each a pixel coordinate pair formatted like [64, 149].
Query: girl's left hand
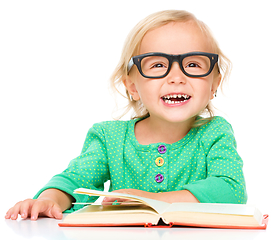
[110, 200]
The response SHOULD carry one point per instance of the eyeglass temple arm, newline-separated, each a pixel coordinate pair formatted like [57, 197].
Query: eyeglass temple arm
[130, 65]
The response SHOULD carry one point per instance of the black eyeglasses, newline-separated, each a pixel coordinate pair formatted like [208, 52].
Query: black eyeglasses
[158, 65]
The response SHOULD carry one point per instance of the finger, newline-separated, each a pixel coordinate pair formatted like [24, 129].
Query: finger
[121, 200]
[37, 207]
[8, 214]
[25, 208]
[110, 200]
[106, 201]
[13, 212]
[113, 199]
[56, 212]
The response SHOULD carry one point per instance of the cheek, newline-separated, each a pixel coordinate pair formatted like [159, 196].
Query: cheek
[145, 92]
[203, 88]
[143, 85]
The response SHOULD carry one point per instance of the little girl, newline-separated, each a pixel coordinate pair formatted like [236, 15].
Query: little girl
[171, 67]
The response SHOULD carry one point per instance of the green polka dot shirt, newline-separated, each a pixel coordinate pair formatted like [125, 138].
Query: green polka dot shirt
[205, 162]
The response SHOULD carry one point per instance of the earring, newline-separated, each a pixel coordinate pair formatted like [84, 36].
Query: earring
[215, 94]
[131, 98]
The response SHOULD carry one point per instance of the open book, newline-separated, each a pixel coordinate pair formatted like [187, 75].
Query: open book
[149, 213]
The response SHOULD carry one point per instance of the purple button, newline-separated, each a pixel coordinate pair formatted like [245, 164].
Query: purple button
[162, 149]
[159, 178]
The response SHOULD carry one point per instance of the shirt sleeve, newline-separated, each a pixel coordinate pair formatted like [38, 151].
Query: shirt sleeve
[225, 180]
[89, 170]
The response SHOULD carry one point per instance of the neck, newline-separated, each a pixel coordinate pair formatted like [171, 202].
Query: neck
[152, 130]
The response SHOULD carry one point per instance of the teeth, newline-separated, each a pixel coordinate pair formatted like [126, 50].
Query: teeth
[175, 96]
[180, 96]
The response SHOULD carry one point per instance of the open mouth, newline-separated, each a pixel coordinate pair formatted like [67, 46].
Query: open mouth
[175, 98]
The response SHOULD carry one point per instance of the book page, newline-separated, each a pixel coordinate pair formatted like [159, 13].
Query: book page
[107, 215]
[224, 214]
[158, 206]
[234, 209]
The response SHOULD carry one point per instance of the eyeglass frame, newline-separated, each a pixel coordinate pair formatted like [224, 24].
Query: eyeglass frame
[136, 60]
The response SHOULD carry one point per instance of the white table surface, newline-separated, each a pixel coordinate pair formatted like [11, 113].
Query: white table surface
[46, 228]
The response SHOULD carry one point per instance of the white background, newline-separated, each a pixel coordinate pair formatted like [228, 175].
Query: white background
[56, 58]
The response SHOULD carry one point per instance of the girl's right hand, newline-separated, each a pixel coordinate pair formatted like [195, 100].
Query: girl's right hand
[34, 208]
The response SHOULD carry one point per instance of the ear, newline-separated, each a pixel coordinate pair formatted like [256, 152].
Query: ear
[215, 85]
[131, 88]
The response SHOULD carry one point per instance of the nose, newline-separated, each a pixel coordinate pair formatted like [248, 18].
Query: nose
[176, 76]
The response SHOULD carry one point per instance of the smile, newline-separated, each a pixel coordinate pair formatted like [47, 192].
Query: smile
[175, 98]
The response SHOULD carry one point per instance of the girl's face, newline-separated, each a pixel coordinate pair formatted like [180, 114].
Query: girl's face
[174, 38]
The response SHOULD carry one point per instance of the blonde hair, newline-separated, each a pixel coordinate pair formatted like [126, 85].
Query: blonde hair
[132, 45]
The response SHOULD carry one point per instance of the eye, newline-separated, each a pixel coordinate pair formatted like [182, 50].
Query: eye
[158, 65]
[192, 65]
[154, 65]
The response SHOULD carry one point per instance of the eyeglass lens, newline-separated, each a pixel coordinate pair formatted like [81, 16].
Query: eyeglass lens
[154, 66]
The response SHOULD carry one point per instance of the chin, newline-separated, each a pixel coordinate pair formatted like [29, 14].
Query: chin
[181, 119]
